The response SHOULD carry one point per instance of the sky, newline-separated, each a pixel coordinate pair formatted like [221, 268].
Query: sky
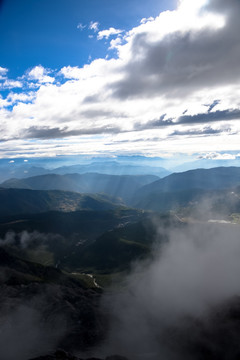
[110, 78]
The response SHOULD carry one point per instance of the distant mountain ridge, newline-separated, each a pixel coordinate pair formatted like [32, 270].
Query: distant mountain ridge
[12, 170]
[179, 188]
[206, 164]
[123, 186]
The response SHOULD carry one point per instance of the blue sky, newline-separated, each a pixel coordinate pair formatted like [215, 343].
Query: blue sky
[45, 32]
[130, 78]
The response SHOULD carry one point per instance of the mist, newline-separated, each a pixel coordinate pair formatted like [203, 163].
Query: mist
[165, 304]
[26, 239]
[27, 328]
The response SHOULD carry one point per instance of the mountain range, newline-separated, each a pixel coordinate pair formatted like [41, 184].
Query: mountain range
[146, 192]
[61, 249]
[178, 189]
[19, 170]
[123, 186]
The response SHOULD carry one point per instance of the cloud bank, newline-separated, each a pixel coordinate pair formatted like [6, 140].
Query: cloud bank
[166, 303]
[174, 64]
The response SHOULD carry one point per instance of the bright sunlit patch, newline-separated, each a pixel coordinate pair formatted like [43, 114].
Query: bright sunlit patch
[190, 13]
[191, 6]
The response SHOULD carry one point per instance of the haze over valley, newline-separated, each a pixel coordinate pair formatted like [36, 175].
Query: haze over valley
[65, 243]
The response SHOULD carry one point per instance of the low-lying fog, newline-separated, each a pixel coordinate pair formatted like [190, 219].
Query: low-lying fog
[163, 304]
[193, 274]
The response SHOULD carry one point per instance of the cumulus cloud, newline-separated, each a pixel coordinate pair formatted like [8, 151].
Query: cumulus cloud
[39, 73]
[183, 63]
[11, 84]
[22, 97]
[144, 20]
[70, 72]
[114, 43]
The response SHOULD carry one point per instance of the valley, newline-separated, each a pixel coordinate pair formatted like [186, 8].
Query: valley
[65, 252]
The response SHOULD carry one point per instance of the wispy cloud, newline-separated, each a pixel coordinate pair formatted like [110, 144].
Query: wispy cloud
[3, 72]
[108, 32]
[81, 26]
[94, 26]
[145, 20]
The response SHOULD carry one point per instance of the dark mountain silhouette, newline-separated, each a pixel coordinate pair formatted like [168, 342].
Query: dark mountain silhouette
[63, 355]
[23, 201]
[115, 185]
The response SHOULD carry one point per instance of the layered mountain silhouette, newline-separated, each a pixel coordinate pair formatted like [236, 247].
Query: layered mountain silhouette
[123, 186]
[179, 189]
[16, 170]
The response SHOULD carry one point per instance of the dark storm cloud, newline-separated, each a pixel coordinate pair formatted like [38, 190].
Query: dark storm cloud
[181, 63]
[154, 123]
[224, 115]
[46, 132]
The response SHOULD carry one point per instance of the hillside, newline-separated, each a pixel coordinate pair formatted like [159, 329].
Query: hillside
[24, 201]
[114, 185]
[179, 189]
[83, 241]
[46, 309]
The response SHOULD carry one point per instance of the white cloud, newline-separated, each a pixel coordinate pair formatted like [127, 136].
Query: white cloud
[22, 97]
[115, 43]
[39, 73]
[94, 26]
[71, 72]
[150, 99]
[145, 20]
[3, 73]
[108, 32]
[219, 156]
[3, 102]
[11, 84]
